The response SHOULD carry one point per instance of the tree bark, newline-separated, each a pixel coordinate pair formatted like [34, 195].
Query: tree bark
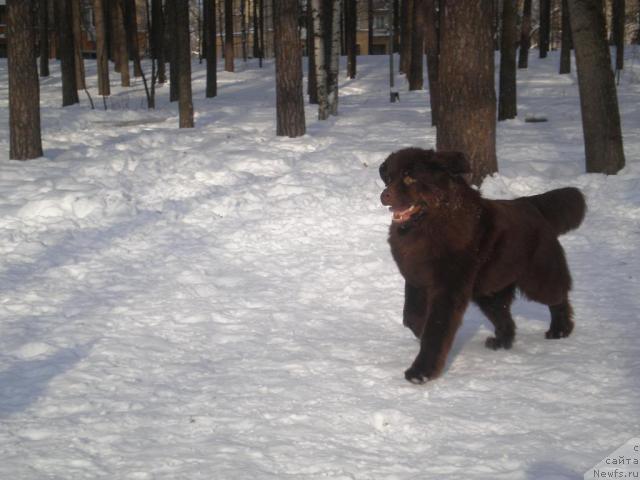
[617, 28]
[211, 53]
[369, 25]
[545, 27]
[467, 106]
[565, 45]
[334, 62]
[172, 33]
[507, 103]
[598, 99]
[228, 36]
[24, 91]
[405, 36]
[416, 65]
[157, 38]
[312, 84]
[131, 28]
[350, 29]
[431, 45]
[43, 25]
[102, 56]
[525, 35]
[77, 44]
[67, 55]
[183, 54]
[289, 97]
[320, 57]
[120, 35]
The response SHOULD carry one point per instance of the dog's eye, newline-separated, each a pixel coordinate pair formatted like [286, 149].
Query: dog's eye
[408, 180]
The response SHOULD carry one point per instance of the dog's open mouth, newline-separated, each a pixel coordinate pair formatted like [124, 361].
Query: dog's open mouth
[401, 216]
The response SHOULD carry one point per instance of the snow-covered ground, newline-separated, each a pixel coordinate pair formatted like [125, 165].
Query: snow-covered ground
[221, 303]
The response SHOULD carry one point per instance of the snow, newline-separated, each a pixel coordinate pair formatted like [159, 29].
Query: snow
[219, 302]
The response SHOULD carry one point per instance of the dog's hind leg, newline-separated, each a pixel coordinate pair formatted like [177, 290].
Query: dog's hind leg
[561, 320]
[414, 314]
[497, 308]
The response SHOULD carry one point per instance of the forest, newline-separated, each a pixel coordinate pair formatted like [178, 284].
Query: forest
[195, 279]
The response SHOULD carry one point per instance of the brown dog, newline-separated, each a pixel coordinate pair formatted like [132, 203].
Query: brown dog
[452, 246]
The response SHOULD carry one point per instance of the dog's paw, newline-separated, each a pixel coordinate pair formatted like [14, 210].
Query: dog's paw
[416, 376]
[496, 343]
[561, 331]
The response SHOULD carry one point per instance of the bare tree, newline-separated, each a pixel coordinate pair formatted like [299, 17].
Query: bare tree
[405, 35]
[507, 105]
[467, 100]
[289, 97]
[183, 54]
[120, 39]
[172, 33]
[24, 92]
[598, 99]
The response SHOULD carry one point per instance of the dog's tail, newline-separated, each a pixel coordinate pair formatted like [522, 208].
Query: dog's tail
[563, 208]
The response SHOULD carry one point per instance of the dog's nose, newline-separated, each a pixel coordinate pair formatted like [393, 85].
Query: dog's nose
[385, 197]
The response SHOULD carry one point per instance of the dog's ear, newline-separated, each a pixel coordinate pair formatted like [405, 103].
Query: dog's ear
[383, 172]
[456, 163]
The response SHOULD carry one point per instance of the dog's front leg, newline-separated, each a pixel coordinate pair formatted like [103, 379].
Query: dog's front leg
[414, 313]
[444, 318]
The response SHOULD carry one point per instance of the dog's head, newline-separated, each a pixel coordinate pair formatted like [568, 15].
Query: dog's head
[418, 180]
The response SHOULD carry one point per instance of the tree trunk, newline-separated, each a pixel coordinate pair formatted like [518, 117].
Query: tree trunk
[318, 7]
[131, 28]
[228, 36]
[211, 53]
[396, 26]
[102, 59]
[256, 46]
[598, 99]
[261, 27]
[312, 84]
[617, 27]
[405, 36]
[172, 33]
[121, 42]
[565, 46]
[350, 30]
[545, 27]
[525, 35]
[416, 65]
[467, 101]
[183, 54]
[67, 55]
[43, 25]
[24, 91]
[507, 103]
[431, 45]
[157, 38]
[334, 62]
[77, 44]
[289, 97]
[369, 25]
[243, 29]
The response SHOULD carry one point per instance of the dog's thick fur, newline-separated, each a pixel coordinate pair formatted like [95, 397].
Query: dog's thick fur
[452, 246]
